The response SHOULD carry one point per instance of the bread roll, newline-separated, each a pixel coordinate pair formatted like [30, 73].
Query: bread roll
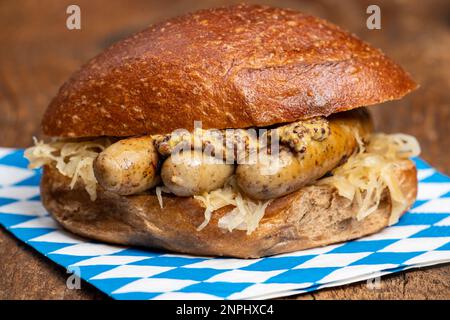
[310, 217]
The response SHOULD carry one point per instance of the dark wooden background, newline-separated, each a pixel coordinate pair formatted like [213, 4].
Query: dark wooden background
[38, 53]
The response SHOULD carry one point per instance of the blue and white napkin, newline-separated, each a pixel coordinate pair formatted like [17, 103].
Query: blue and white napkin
[420, 238]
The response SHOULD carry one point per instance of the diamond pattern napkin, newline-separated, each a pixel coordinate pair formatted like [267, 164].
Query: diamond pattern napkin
[420, 238]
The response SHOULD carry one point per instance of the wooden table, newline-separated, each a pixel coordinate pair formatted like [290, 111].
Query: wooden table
[38, 53]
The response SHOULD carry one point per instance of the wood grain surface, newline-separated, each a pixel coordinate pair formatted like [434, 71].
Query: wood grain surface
[38, 53]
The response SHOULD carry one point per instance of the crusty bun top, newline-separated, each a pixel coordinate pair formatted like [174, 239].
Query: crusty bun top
[231, 67]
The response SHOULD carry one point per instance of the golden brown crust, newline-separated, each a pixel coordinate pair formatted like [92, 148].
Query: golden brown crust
[311, 217]
[232, 67]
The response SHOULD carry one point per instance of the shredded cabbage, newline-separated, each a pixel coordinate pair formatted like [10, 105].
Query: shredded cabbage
[363, 178]
[158, 191]
[73, 159]
[370, 171]
[245, 215]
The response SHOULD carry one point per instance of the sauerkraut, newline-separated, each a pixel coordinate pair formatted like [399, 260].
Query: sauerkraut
[158, 191]
[370, 171]
[362, 179]
[73, 159]
[245, 215]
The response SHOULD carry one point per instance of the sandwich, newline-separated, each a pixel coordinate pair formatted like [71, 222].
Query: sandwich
[241, 131]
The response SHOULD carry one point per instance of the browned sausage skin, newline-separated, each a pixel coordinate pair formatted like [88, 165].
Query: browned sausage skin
[308, 150]
[128, 166]
[304, 161]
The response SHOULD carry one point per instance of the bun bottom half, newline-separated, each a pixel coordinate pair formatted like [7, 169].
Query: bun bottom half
[310, 217]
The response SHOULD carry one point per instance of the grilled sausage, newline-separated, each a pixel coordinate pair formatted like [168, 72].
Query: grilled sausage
[128, 166]
[275, 175]
[192, 172]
